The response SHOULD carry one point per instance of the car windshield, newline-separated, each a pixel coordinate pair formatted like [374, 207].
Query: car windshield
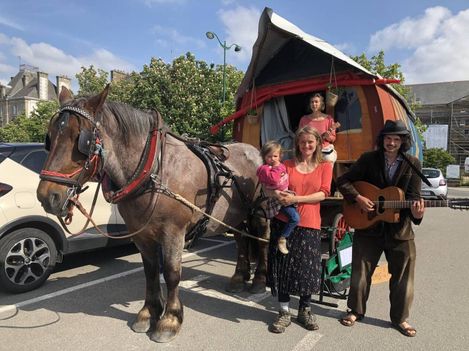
[431, 173]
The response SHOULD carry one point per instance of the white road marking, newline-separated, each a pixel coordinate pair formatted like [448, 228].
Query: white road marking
[193, 287]
[307, 343]
[13, 308]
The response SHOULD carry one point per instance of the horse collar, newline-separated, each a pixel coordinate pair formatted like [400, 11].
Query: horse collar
[142, 174]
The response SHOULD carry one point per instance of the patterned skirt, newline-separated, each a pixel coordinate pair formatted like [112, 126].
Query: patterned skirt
[299, 272]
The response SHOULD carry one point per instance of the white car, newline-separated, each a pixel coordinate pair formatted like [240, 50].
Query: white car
[31, 240]
[439, 186]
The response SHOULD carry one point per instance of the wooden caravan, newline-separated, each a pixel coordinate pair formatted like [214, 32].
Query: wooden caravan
[287, 65]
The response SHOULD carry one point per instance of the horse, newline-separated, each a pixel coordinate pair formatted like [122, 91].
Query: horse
[141, 165]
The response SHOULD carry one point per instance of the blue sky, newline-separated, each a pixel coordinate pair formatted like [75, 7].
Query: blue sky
[430, 39]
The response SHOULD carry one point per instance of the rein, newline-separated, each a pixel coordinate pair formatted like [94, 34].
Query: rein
[146, 170]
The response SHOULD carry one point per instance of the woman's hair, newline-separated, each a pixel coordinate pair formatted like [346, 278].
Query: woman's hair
[312, 96]
[317, 156]
[270, 146]
[406, 142]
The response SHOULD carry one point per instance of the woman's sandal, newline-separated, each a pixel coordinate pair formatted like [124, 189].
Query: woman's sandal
[350, 319]
[409, 331]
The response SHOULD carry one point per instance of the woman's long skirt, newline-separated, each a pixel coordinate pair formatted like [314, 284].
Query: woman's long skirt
[299, 272]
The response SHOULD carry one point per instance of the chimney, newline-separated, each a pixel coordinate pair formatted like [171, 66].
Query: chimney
[3, 91]
[62, 81]
[43, 85]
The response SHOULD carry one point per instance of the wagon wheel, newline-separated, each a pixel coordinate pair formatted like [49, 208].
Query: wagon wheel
[340, 228]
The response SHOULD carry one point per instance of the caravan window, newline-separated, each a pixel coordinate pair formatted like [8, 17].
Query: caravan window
[348, 111]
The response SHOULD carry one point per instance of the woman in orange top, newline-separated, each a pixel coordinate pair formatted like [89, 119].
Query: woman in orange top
[299, 272]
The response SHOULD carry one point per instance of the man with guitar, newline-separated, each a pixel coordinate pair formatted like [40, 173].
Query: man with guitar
[386, 166]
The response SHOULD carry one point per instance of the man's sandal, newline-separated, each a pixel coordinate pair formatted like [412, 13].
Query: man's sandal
[408, 331]
[350, 319]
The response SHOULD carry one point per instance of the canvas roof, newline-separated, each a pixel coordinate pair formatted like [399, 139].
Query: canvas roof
[284, 56]
[283, 52]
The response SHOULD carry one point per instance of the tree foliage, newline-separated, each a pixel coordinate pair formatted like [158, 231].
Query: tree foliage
[32, 129]
[187, 93]
[377, 65]
[91, 80]
[438, 158]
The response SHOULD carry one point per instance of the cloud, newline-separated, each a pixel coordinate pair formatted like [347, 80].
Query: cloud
[167, 35]
[9, 23]
[410, 33]
[54, 61]
[435, 44]
[241, 25]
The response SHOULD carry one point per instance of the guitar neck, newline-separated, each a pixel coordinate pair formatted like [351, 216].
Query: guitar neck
[408, 203]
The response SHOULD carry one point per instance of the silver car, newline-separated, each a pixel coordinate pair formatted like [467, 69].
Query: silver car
[439, 188]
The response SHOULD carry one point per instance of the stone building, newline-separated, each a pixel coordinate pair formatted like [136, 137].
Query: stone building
[446, 103]
[25, 90]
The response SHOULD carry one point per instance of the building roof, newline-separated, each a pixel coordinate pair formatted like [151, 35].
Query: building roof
[439, 93]
[31, 89]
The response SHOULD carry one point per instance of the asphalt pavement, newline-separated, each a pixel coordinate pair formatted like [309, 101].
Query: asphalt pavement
[92, 299]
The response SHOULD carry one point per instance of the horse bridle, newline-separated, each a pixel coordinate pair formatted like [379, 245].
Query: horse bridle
[89, 144]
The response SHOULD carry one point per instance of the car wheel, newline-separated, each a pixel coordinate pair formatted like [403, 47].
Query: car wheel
[27, 258]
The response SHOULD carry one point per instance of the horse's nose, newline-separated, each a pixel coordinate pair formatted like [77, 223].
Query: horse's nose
[51, 202]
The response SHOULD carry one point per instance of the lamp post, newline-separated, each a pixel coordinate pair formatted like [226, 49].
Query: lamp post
[237, 48]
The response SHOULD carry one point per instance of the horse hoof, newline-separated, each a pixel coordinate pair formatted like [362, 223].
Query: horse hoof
[235, 287]
[141, 326]
[163, 336]
[166, 329]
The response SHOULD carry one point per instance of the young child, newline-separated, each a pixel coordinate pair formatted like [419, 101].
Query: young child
[273, 176]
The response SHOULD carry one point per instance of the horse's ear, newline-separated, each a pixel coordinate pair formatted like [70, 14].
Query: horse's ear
[65, 96]
[97, 101]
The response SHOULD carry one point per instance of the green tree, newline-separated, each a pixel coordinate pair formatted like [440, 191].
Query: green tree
[30, 129]
[377, 65]
[437, 158]
[91, 81]
[187, 93]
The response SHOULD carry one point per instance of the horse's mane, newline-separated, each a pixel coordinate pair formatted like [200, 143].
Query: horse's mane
[130, 121]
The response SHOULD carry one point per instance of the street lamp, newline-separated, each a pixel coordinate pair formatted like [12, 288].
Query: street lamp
[237, 48]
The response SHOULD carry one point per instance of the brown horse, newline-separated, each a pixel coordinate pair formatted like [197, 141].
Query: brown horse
[143, 164]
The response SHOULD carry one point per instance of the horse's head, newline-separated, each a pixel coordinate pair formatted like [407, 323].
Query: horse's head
[74, 144]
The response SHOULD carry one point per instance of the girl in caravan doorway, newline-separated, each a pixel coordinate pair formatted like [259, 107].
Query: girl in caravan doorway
[274, 177]
[324, 124]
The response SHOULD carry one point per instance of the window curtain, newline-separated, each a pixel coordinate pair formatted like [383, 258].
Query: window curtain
[276, 126]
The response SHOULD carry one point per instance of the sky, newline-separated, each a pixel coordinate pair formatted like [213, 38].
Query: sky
[429, 39]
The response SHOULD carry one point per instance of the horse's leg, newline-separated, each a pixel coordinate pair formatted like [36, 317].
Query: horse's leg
[154, 302]
[170, 323]
[243, 269]
[261, 226]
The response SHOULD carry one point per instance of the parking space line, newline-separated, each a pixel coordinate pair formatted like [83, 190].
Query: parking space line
[9, 308]
[308, 342]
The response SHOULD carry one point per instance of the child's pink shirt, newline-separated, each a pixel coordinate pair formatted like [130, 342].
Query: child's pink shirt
[273, 178]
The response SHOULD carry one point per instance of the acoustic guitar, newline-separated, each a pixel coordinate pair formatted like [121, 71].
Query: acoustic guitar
[388, 202]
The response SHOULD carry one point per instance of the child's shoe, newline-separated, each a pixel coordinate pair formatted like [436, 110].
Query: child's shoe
[282, 245]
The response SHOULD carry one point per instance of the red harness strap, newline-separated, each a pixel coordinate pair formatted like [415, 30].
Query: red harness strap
[144, 174]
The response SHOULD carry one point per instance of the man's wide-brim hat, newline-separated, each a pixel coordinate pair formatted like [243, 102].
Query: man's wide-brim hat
[394, 127]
